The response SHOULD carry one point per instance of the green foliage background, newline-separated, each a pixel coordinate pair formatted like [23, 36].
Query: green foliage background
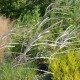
[17, 8]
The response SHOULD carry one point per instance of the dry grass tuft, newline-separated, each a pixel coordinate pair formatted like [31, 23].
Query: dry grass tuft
[5, 25]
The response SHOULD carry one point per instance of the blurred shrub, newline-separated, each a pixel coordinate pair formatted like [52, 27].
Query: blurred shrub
[16, 8]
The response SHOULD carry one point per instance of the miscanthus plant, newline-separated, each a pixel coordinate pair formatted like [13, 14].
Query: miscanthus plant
[37, 41]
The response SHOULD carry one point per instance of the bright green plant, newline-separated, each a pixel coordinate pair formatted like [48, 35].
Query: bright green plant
[66, 66]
